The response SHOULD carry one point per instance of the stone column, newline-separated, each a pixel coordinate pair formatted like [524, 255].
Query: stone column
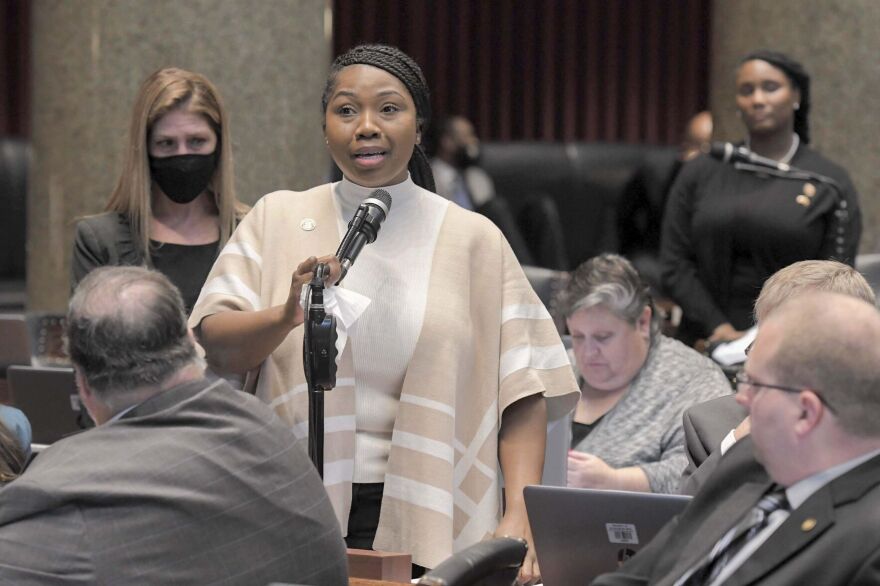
[838, 44]
[269, 59]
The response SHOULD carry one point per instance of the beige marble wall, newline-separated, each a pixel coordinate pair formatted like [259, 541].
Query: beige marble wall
[838, 41]
[269, 59]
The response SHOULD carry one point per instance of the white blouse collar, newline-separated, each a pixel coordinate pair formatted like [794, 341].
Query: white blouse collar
[352, 194]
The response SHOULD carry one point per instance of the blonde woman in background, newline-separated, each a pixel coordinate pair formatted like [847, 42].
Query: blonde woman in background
[174, 205]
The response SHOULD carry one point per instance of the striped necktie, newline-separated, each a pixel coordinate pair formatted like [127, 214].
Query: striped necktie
[710, 566]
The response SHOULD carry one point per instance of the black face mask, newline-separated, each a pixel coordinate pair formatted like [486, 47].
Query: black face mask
[467, 156]
[183, 177]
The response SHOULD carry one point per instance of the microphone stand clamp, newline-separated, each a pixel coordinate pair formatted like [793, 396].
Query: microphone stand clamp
[319, 361]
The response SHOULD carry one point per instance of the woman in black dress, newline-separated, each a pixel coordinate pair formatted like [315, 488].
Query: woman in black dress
[726, 230]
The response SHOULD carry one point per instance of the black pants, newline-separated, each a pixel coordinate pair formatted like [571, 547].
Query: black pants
[363, 520]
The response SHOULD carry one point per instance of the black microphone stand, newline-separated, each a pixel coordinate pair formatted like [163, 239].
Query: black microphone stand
[319, 362]
[790, 173]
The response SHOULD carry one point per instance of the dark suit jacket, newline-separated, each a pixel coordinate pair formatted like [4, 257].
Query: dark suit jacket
[832, 538]
[705, 425]
[198, 485]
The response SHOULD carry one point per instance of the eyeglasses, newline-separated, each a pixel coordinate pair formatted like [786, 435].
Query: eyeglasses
[742, 378]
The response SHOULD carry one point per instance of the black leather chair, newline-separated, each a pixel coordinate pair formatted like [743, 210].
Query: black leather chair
[547, 283]
[586, 181]
[14, 162]
[495, 562]
[640, 214]
[543, 232]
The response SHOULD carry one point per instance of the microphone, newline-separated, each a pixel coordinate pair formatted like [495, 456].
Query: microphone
[729, 153]
[363, 228]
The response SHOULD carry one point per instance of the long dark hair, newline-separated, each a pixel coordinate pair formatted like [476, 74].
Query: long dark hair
[404, 68]
[799, 79]
[12, 458]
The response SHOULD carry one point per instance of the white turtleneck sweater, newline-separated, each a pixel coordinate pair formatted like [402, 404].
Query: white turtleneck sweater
[393, 273]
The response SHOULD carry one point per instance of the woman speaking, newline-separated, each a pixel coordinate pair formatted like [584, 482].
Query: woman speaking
[446, 371]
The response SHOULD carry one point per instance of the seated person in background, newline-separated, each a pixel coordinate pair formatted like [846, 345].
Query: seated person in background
[697, 136]
[798, 501]
[12, 456]
[459, 178]
[457, 175]
[183, 481]
[174, 205]
[635, 383]
[18, 426]
[711, 428]
[727, 229]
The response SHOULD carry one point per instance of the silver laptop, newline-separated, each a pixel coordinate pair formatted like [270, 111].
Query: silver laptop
[48, 397]
[581, 533]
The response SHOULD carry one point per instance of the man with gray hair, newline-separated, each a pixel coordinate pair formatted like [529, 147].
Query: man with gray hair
[183, 481]
[808, 511]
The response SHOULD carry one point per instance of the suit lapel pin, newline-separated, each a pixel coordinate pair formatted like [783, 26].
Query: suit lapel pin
[308, 224]
[808, 524]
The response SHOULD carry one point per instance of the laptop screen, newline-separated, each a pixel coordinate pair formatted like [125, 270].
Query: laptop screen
[49, 399]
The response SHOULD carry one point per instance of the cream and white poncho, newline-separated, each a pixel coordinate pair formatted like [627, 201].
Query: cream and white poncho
[486, 342]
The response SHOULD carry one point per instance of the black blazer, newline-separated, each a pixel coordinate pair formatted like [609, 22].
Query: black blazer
[705, 426]
[106, 240]
[102, 240]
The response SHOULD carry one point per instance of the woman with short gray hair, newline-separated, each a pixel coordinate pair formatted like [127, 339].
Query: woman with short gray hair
[635, 382]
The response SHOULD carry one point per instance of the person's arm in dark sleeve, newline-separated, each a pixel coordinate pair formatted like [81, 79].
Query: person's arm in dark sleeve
[678, 259]
[89, 253]
[844, 230]
[42, 540]
[695, 450]
[869, 572]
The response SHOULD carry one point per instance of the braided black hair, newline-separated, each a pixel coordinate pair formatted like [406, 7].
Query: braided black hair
[799, 79]
[404, 68]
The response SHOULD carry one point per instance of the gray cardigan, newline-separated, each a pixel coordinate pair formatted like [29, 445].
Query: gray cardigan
[644, 428]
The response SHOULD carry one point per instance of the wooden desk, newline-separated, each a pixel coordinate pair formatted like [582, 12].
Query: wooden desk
[379, 567]
[365, 582]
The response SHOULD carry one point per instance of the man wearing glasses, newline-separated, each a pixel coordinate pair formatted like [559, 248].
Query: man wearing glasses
[808, 507]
